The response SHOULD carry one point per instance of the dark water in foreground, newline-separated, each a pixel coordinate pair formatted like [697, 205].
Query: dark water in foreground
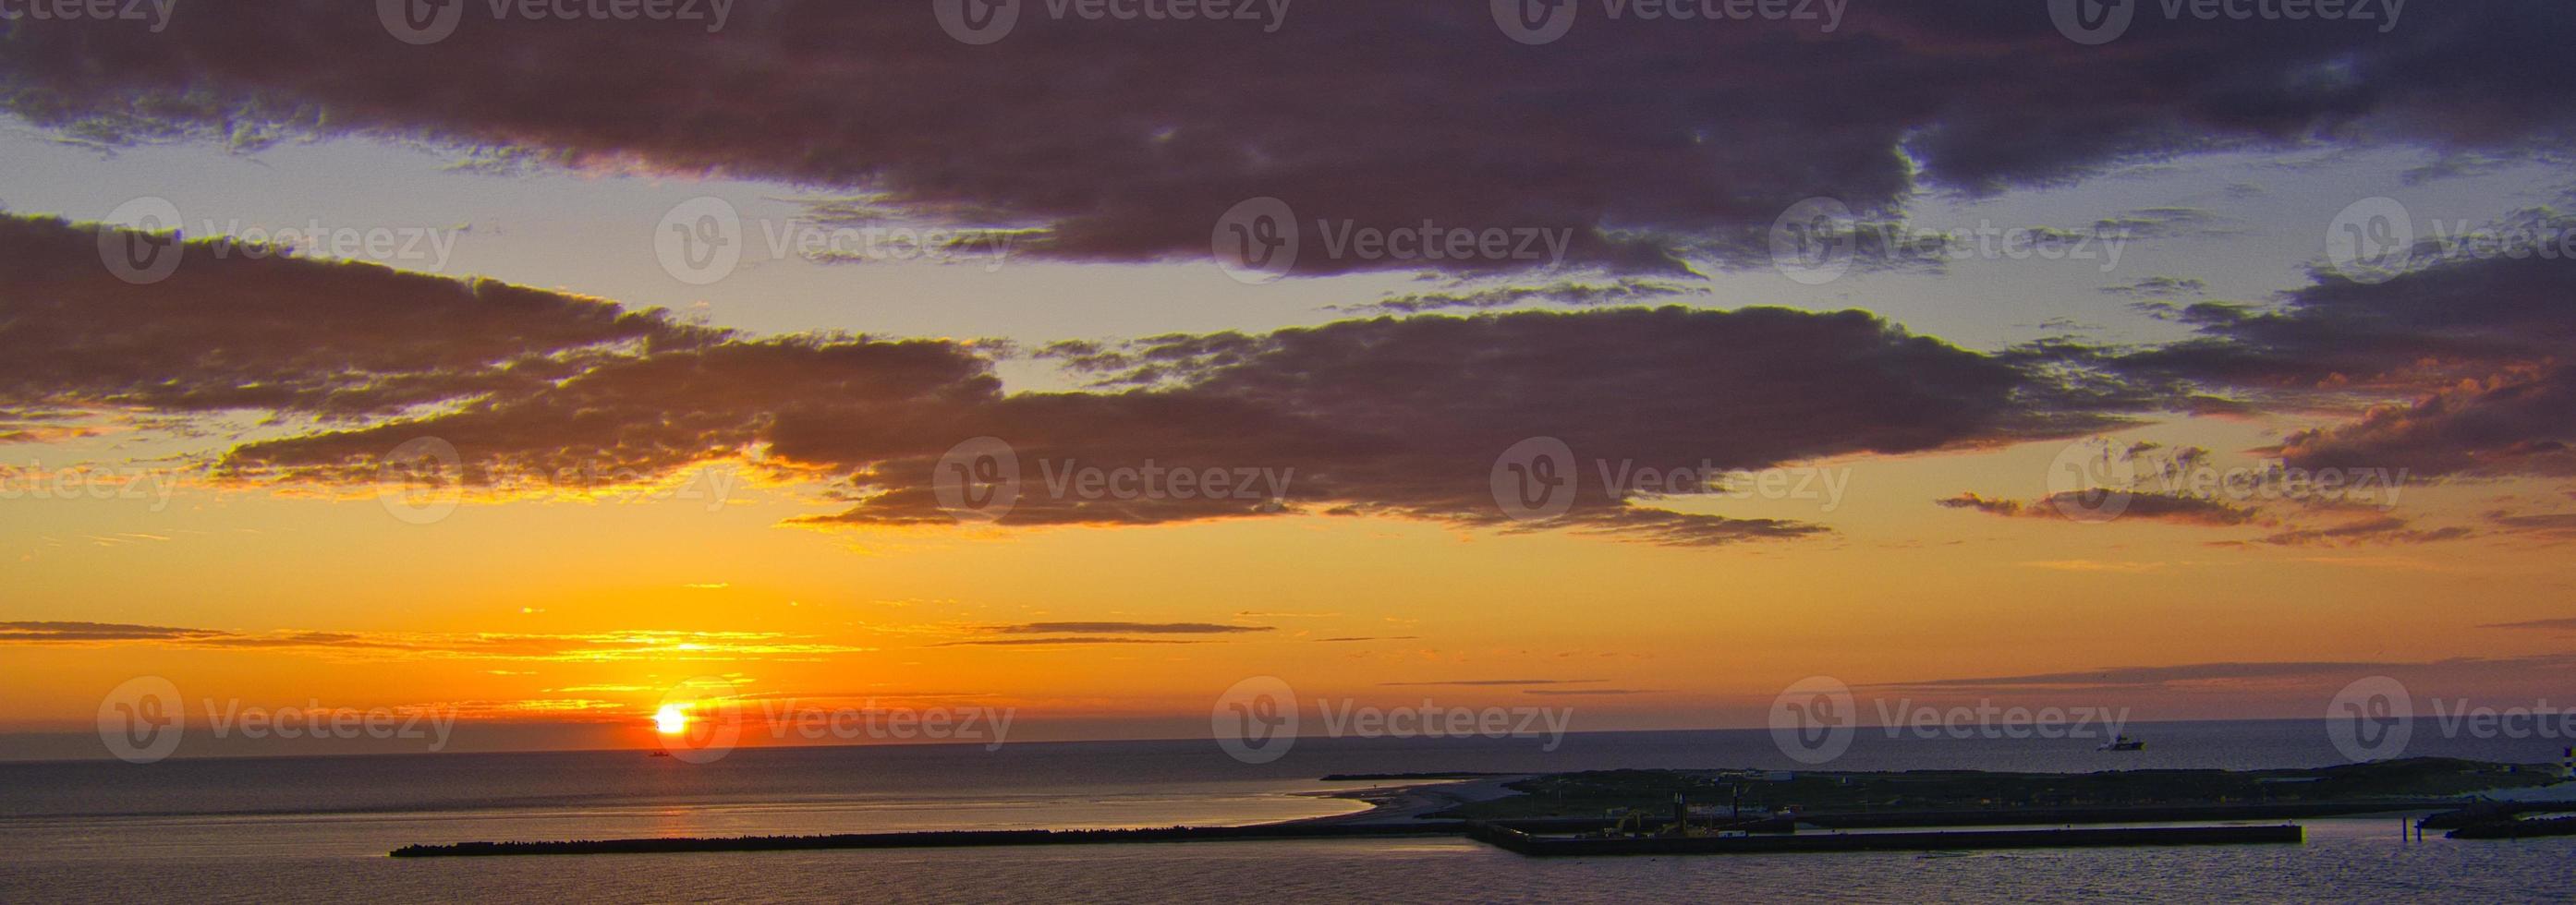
[304, 829]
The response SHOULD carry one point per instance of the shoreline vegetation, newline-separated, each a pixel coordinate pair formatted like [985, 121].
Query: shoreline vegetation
[1721, 811]
[1874, 798]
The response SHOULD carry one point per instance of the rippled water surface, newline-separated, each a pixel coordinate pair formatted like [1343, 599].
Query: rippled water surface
[312, 829]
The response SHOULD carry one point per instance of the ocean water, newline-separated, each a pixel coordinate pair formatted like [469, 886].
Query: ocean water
[317, 829]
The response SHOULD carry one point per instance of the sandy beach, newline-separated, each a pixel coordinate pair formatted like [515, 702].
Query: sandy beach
[1408, 801]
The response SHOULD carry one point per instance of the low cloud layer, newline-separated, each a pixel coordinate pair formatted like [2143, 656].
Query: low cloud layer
[1381, 417]
[2477, 341]
[229, 330]
[1405, 417]
[2454, 368]
[1402, 417]
[1390, 416]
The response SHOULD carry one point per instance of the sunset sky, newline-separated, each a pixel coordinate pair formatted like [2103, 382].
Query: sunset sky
[669, 468]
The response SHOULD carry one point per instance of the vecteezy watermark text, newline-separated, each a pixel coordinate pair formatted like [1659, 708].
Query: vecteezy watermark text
[1539, 478]
[422, 22]
[982, 480]
[982, 22]
[1987, 719]
[89, 482]
[155, 13]
[1256, 721]
[703, 718]
[1070, 479]
[432, 724]
[143, 720]
[2375, 239]
[2097, 480]
[141, 242]
[1818, 240]
[1814, 720]
[424, 248]
[1544, 21]
[1259, 241]
[2103, 21]
[2375, 718]
[702, 240]
[868, 721]
[1429, 719]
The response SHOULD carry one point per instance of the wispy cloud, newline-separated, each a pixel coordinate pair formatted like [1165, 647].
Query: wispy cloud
[1131, 628]
[2552, 625]
[2163, 507]
[595, 647]
[2095, 565]
[2194, 675]
[1050, 642]
[2145, 676]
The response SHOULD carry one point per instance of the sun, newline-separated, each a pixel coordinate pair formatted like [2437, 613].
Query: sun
[672, 719]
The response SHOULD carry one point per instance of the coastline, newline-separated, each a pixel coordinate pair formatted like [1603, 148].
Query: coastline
[1409, 801]
[1649, 812]
[1395, 809]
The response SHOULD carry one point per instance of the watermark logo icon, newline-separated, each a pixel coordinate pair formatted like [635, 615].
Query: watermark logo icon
[2371, 719]
[699, 241]
[1534, 22]
[978, 480]
[1813, 242]
[977, 22]
[1534, 479]
[422, 481]
[1256, 720]
[140, 241]
[2098, 22]
[425, 22]
[2371, 241]
[420, 22]
[142, 720]
[2092, 22]
[1814, 719]
[1256, 241]
[700, 720]
[2091, 481]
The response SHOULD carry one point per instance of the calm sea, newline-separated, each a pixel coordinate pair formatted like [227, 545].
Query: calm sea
[317, 829]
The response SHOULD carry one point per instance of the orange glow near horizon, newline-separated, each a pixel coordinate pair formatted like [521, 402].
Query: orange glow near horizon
[551, 621]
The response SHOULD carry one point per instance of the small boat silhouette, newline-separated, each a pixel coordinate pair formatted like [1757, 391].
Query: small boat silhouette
[2123, 743]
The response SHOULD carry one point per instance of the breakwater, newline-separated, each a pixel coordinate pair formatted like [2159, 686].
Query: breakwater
[1525, 843]
[951, 839]
[1531, 837]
